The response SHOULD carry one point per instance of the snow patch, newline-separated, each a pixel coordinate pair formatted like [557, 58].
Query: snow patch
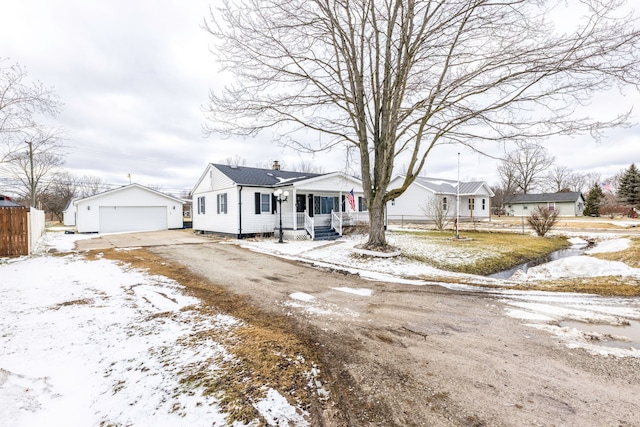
[278, 412]
[301, 296]
[361, 292]
[614, 245]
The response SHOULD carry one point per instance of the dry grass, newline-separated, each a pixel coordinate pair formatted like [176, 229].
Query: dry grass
[266, 352]
[603, 285]
[630, 256]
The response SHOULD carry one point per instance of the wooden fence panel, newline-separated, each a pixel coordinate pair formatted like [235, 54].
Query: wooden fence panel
[14, 231]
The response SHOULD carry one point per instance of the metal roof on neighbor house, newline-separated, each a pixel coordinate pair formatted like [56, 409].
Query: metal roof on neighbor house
[448, 186]
[546, 197]
[258, 177]
[4, 203]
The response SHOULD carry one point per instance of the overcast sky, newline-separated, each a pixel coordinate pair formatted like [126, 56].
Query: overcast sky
[133, 75]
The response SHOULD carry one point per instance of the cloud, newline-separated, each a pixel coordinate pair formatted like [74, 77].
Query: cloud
[134, 75]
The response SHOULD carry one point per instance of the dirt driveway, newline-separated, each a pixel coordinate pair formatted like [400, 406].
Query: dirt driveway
[400, 355]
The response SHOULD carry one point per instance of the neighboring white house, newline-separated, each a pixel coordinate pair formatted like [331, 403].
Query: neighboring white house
[130, 208]
[569, 203]
[240, 201]
[69, 214]
[426, 196]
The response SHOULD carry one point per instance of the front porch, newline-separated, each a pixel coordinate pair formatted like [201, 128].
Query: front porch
[302, 226]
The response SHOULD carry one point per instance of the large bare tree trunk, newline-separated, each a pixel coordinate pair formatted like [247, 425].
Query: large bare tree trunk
[377, 239]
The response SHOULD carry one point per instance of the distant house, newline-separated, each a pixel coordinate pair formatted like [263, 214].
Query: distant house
[568, 204]
[132, 207]
[425, 195]
[5, 201]
[240, 201]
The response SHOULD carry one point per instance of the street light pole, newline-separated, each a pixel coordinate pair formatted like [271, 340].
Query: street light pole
[280, 197]
[458, 200]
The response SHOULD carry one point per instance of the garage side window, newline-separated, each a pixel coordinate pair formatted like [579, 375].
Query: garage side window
[201, 205]
[222, 203]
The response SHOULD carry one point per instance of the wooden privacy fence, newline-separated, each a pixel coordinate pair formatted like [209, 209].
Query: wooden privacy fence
[14, 231]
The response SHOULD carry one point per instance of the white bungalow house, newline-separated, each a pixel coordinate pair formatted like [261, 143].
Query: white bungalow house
[240, 201]
[132, 207]
[567, 204]
[425, 196]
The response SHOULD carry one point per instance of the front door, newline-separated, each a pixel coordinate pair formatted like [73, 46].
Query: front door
[301, 202]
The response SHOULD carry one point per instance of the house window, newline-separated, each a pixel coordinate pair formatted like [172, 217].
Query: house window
[263, 203]
[362, 204]
[525, 207]
[471, 203]
[444, 203]
[483, 204]
[201, 205]
[551, 206]
[323, 205]
[222, 203]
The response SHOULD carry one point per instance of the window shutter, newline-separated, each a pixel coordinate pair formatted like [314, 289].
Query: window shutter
[273, 204]
[257, 199]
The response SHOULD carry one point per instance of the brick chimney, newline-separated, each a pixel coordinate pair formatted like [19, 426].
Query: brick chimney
[276, 165]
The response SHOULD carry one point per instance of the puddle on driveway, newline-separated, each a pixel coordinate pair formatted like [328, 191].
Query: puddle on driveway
[609, 335]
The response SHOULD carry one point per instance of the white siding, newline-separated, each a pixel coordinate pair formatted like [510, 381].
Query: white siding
[230, 223]
[69, 216]
[332, 183]
[411, 203]
[211, 220]
[88, 210]
[565, 208]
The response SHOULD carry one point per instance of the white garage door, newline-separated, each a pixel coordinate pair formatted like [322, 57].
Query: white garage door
[115, 219]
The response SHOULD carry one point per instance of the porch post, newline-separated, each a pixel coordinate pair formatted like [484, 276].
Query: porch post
[294, 204]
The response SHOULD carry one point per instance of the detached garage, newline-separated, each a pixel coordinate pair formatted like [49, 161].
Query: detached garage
[127, 209]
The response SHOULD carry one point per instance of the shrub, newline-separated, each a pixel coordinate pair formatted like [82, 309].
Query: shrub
[542, 219]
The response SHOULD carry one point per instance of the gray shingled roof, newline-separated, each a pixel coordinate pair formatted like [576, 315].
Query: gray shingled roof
[545, 197]
[243, 175]
[8, 203]
[448, 186]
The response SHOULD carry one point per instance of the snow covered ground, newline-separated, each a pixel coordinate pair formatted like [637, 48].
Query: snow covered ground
[94, 343]
[88, 343]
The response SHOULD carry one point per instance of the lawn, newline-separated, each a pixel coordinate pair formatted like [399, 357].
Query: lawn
[475, 252]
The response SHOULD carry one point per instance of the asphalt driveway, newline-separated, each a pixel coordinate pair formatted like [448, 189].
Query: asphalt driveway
[141, 239]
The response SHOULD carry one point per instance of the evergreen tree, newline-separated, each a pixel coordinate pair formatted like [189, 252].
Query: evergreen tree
[629, 187]
[594, 200]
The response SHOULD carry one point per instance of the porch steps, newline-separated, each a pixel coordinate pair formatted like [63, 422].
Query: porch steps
[325, 233]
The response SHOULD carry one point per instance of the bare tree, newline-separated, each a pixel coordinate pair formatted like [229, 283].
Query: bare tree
[235, 161]
[507, 174]
[542, 219]
[526, 166]
[581, 182]
[438, 210]
[63, 189]
[558, 178]
[308, 166]
[396, 78]
[21, 102]
[30, 167]
[91, 185]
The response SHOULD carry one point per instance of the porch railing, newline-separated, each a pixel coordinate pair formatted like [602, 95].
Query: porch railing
[308, 225]
[336, 222]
